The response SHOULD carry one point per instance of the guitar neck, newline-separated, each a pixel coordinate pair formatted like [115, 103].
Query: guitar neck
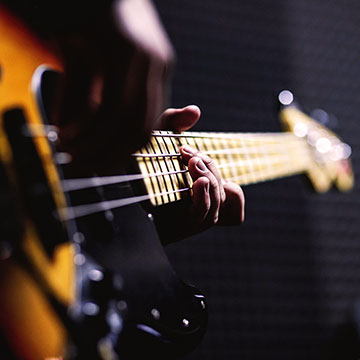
[244, 158]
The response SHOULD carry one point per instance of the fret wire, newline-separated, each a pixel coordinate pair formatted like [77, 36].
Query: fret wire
[166, 163]
[214, 145]
[186, 177]
[199, 147]
[238, 157]
[189, 179]
[273, 163]
[147, 163]
[256, 164]
[210, 143]
[244, 180]
[176, 176]
[228, 155]
[276, 172]
[260, 156]
[76, 184]
[160, 178]
[160, 163]
[250, 165]
[267, 161]
[183, 177]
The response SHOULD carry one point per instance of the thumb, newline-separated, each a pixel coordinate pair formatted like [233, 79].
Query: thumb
[179, 119]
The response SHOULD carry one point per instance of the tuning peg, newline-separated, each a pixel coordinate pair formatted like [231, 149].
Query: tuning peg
[286, 98]
[325, 118]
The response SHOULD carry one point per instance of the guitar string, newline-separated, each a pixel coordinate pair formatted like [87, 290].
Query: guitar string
[251, 148]
[69, 185]
[266, 138]
[87, 209]
[43, 130]
[73, 212]
[263, 149]
[229, 135]
[84, 183]
[76, 184]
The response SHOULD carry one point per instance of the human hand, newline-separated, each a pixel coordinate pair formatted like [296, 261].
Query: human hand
[115, 87]
[215, 200]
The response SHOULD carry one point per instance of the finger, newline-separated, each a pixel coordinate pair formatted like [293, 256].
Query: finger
[198, 169]
[201, 200]
[189, 152]
[233, 209]
[179, 119]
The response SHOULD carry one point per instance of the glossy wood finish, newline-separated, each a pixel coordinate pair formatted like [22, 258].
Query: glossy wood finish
[27, 320]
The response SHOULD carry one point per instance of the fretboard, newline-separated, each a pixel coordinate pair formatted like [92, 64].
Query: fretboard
[244, 158]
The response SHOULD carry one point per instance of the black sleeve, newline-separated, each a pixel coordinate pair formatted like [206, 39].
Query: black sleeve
[51, 17]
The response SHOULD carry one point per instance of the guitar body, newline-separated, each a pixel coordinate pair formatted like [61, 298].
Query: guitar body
[26, 314]
[91, 289]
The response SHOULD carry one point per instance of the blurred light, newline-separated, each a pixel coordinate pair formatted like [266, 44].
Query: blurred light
[323, 145]
[300, 129]
[91, 309]
[286, 97]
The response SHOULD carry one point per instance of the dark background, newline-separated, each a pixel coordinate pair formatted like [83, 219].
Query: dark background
[285, 284]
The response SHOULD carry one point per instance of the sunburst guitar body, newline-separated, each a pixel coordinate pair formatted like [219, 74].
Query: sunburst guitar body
[33, 273]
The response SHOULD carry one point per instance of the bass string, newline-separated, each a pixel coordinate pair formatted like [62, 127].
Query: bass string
[45, 129]
[266, 149]
[288, 141]
[73, 212]
[248, 140]
[96, 181]
[247, 165]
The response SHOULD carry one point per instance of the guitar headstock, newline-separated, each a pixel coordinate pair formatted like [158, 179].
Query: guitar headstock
[330, 161]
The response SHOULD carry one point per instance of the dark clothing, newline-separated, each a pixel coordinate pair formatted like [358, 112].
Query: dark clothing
[50, 17]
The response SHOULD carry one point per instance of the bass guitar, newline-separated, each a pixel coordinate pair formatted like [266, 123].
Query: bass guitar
[79, 277]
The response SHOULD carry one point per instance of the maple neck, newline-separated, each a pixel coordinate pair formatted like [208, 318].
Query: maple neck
[244, 158]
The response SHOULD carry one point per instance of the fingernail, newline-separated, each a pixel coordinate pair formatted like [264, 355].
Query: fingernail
[189, 150]
[201, 166]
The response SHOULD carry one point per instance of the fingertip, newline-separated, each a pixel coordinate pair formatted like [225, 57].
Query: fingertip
[186, 154]
[194, 109]
[184, 118]
[201, 197]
